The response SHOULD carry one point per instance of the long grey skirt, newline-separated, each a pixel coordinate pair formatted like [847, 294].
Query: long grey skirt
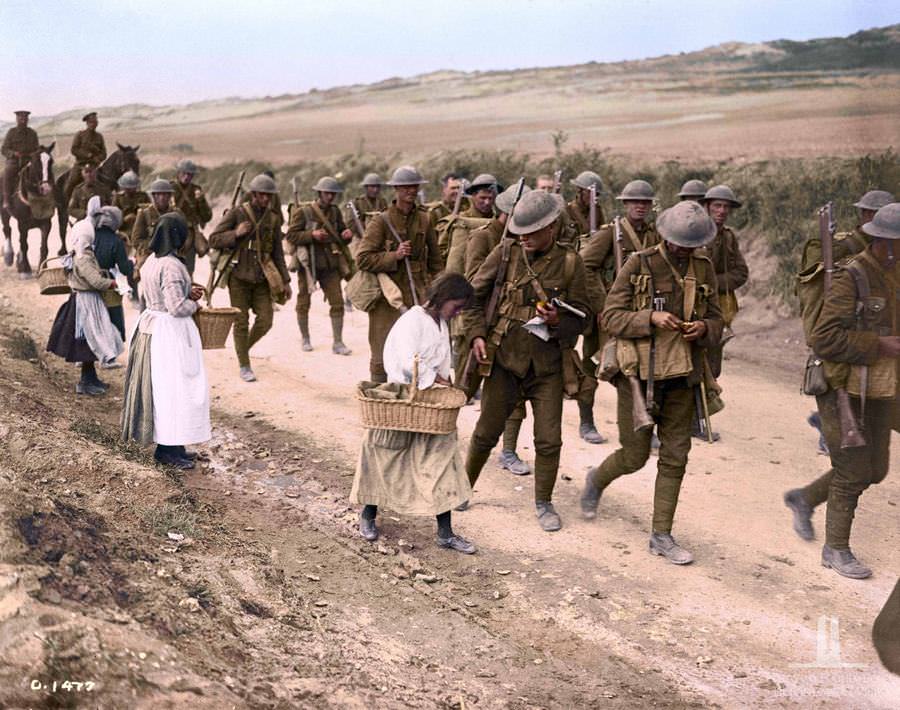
[410, 473]
[137, 410]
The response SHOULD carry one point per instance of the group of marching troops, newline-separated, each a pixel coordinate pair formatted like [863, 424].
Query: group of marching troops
[650, 298]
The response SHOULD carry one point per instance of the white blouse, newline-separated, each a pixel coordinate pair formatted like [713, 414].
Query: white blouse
[417, 333]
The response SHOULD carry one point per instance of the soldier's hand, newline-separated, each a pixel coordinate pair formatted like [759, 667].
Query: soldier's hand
[694, 330]
[549, 313]
[889, 346]
[320, 235]
[404, 249]
[479, 350]
[347, 235]
[243, 229]
[665, 320]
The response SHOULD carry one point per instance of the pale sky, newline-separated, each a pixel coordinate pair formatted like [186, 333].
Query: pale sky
[63, 54]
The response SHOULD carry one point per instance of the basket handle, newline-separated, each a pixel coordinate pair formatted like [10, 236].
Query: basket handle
[414, 386]
[44, 263]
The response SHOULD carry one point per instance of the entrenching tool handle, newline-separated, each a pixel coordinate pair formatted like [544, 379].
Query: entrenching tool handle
[639, 415]
[356, 219]
[592, 211]
[851, 436]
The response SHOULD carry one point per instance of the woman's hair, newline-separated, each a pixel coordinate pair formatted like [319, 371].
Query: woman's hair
[449, 286]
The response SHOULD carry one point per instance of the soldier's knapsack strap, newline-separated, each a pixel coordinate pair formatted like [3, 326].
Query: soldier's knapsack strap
[632, 235]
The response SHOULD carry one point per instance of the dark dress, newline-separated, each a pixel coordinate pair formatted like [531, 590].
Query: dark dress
[110, 251]
[62, 339]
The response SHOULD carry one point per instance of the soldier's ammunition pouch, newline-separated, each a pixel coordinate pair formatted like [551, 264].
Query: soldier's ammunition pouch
[814, 382]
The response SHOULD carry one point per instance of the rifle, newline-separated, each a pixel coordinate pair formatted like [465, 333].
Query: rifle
[357, 221]
[409, 273]
[493, 305]
[557, 181]
[640, 413]
[295, 192]
[851, 431]
[592, 211]
[217, 266]
[457, 205]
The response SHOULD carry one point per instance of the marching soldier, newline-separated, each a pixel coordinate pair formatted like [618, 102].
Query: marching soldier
[146, 220]
[453, 231]
[19, 144]
[576, 217]
[731, 269]
[451, 184]
[665, 304]
[89, 187]
[129, 198]
[401, 243]
[598, 253]
[252, 231]
[191, 202]
[516, 362]
[692, 190]
[810, 290]
[88, 148]
[319, 227]
[274, 205]
[856, 334]
[481, 243]
[372, 201]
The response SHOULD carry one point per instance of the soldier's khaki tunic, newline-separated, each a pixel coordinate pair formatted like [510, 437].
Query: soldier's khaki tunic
[731, 274]
[247, 285]
[327, 256]
[376, 255]
[130, 204]
[454, 233]
[577, 222]
[191, 202]
[87, 147]
[523, 365]
[366, 209]
[84, 192]
[843, 340]
[19, 143]
[627, 315]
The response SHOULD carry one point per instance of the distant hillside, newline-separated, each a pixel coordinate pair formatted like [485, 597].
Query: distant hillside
[724, 68]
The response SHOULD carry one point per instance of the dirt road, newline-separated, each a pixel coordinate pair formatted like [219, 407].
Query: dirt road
[580, 618]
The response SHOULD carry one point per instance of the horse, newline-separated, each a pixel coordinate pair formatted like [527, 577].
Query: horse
[32, 204]
[118, 163]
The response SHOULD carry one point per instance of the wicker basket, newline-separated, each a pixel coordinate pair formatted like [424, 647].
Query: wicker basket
[52, 280]
[431, 411]
[214, 325]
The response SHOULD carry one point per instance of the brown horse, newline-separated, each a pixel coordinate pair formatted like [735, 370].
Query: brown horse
[32, 204]
[118, 163]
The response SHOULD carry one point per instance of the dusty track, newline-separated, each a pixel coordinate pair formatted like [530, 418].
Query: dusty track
[607, 622]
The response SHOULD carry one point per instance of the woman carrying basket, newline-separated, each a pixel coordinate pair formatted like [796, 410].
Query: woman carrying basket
[413, 473]
[166, 392]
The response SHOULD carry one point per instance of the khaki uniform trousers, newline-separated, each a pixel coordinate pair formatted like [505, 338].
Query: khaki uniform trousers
[852, 470]
[673, 424]
[381, 319]
[330, 281]
[248, 296]
[501, 394]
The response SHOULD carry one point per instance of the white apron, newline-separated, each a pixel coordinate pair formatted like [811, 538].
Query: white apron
[178, 377]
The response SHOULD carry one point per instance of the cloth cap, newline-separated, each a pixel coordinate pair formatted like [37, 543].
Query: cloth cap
[886, 223]
[535, 211]
[89, 116]
[22, 113]
[686, 224]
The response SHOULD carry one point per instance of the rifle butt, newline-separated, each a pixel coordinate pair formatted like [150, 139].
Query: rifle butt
[851, 433]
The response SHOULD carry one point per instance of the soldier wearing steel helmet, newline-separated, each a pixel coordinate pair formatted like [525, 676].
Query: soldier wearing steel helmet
[318, 226]
[514, 361]
[451, 185]
[810, 278]
[19, 143]
[89, 187]
[692, 190]
[190, 200]
[146, 220]
[731, 268]
[482, 242]
[665, 299]
[367, 204]
[259, 276]
[129, 198]
[598, 253]
[576, 217]
[88, 147]
[453, 230]
[400, 235]
[856, 334]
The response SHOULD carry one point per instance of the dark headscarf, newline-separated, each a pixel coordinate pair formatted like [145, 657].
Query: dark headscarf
[170, 234]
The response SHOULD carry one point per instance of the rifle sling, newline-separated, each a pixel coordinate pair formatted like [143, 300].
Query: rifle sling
[863, 291]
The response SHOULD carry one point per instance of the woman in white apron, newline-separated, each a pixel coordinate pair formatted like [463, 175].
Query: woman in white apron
[166, 391]
[408, 472]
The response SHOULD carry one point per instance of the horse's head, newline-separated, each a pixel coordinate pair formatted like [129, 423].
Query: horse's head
[40, 170]
[129, 159]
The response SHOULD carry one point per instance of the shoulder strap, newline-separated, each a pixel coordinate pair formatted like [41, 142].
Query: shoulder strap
[632, 235]
[326, 223]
